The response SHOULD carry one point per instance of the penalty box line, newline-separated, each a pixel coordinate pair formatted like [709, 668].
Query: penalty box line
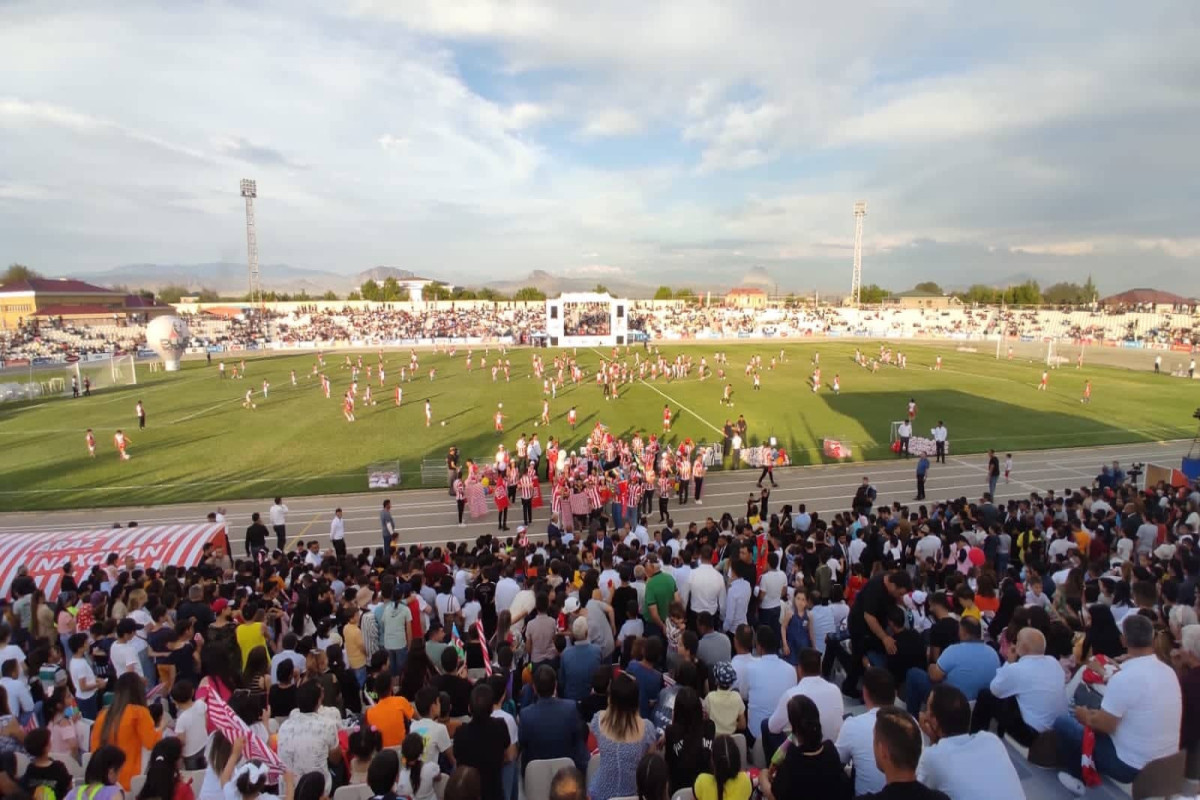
[668, 398]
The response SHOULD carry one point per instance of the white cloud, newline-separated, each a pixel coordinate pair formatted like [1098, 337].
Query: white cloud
[496, 135]
[610, 122]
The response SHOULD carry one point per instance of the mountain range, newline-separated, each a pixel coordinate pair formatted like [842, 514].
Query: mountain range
[230, 278]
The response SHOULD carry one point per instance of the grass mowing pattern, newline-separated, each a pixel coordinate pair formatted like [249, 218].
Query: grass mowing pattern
[201, 444]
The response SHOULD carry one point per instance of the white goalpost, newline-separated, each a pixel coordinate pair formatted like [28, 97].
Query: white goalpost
[95, 375]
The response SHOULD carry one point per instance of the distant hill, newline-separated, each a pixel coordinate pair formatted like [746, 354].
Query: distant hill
[222, 276]
[381, 274]
[554, 285]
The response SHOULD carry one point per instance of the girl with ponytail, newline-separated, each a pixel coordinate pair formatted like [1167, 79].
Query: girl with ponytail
[417, 778]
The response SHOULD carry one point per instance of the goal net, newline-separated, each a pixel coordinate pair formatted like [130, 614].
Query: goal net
[99, 375]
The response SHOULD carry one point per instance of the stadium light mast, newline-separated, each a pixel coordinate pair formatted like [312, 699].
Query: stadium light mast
[860, 211]
[250, 191]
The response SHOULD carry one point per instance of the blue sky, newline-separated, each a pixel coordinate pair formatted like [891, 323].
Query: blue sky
[677, 141]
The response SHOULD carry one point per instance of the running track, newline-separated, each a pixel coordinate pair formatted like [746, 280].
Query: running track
[428, 515]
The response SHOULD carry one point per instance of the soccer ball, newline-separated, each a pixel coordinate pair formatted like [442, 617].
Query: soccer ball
[535, 424]
[443, 423]
[499, 405]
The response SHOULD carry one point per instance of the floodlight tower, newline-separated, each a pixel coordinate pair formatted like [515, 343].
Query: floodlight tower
[250, 191]
[860, 211]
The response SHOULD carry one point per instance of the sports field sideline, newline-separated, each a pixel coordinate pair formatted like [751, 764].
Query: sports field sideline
[202, 444]
[428, 515]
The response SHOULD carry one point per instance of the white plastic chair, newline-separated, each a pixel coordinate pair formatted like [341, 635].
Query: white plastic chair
[355, 791]
[538, 776]
[74, 767]
[740, 740]
[684, 794]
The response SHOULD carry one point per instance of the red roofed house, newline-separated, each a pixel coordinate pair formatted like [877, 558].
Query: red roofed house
[1150, 300]
[73, 301]
[746, 297]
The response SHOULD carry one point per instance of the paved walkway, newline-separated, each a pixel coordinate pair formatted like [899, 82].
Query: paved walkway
[428, 515]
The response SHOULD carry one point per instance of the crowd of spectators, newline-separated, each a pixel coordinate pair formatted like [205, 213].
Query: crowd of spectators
[654, 658]
[676, 321]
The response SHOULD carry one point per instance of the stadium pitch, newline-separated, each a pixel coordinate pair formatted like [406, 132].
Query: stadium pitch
[201, 442]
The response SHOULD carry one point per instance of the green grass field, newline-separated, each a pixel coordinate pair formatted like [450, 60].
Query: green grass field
[200, 444]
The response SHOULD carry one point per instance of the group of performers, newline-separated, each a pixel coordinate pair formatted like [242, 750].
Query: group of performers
[608, 474]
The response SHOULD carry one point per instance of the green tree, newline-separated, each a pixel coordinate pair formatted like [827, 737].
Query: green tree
[1064, 293]
[392, 291]
[436, 291]
[463, 293]
[873, 293]
[488, 293]
[980, 293]
[685, 294]
[370, 290]
[1089, 291]
[528, 293]
[663, 293]
[329, 295]
[172, 292]
[928, 286]
[354, 296]
[600, 288]
[1025, 294]
[18, 272]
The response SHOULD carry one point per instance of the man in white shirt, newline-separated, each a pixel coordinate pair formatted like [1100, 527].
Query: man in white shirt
[826, 696]
[707, 587]
[964, 765]
[610, 579]
[278, 514]
[856, 741]
[802, 520]
[123, 656]
[307, 739]
[855, 549]
[506, 589]
[771, 589]
[769, 677]
[1027, 694]
[288, 653]
[737, 599]
[743, 657]
[929, 545]
[20, 698]
[9, 650]
[337, 534]
[904, 432]
[939, 434]
[1138, 720]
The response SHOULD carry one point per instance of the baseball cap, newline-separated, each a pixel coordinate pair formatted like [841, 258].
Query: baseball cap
[724, 675]
[127, 626]
[571, 605]
[219, 605]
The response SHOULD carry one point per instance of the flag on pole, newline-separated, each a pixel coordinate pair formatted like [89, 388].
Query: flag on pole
[457, 641]
[222, 718]
[487, 658]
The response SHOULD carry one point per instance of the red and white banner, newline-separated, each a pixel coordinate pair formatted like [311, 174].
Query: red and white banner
[44, 553]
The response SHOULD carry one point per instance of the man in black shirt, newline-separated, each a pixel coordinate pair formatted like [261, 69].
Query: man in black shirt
[944, 631]
[195, 608]
[868, 618]
[910, 647]
[256, 535]
[993, 472]
[897, 751]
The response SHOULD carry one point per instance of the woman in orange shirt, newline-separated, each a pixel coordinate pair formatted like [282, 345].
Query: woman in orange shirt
[127, 724]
